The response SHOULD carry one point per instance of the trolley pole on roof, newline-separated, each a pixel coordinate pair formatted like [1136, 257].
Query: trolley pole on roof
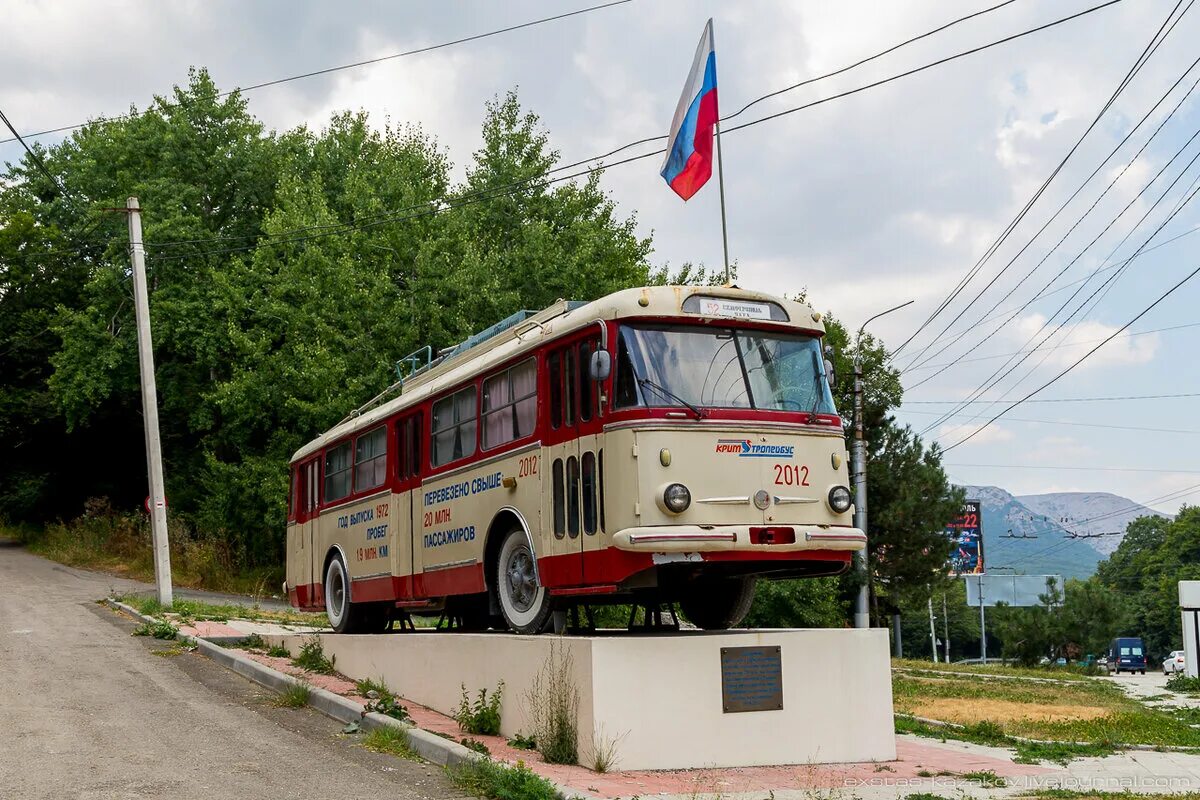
[858, 476]
[157, 503]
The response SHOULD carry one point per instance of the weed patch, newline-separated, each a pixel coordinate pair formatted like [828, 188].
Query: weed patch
[486, 778]
[390, 740]
[481, 716]
[251, 642]
[296, 695]
[159, 630]
[196, 609]
[1179, 682]
[553, 701]
[520, 741]
[986, 778]
[275, 651]
[475, 744]
[312, 658]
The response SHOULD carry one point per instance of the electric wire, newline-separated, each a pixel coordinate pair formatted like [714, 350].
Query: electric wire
[1045, 184]
[1067, 399]
[354, 65]
[511, 188]
[33, 156]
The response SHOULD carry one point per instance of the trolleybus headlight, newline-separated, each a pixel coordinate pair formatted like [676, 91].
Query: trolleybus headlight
[677, 498]
[839, 499]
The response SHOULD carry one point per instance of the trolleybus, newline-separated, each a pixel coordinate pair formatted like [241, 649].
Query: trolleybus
[659, 445]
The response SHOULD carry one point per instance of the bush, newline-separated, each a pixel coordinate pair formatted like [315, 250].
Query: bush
[481, 716]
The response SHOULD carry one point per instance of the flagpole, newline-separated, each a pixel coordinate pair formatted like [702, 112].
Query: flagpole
[720, 167]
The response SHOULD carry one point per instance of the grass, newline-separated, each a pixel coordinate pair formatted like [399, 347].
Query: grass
[987, 733]
[189, 610]
[1092, 711]
[118, 543]
[296, 695]
[393, 741]
[276, 651]
[486, 778]
[1182, 683]
[986, 778]
[312, 658]
[1048, 672]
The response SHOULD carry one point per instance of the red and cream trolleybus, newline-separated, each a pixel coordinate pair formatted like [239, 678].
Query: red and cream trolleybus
[659, 445]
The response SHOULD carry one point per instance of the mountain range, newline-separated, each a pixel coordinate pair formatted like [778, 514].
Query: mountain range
[1031, 534]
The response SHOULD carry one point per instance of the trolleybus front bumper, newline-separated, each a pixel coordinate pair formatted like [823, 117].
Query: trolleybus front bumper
[744, 538]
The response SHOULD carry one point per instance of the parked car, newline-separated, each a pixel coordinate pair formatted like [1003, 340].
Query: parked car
[1173, 662]
[1127, 653]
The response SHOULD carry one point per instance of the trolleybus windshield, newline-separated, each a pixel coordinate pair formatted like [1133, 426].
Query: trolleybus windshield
[721, 368]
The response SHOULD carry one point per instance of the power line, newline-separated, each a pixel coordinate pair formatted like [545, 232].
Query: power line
[1085, 356]
[916, 360]
[1064, 399]
[1129, 335]
[355, 64]
[33, 156]
[517, 185]
[1037, 194]
[1003, 371]
[1072, 424]
[1078, 468]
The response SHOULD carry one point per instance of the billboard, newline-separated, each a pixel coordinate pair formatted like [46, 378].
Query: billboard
[1012, 590]
[966, 540]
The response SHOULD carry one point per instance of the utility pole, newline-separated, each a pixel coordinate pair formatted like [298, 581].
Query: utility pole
[933, 643]
[945, 629]
[858, 474]
[158, 500]
[982, 624]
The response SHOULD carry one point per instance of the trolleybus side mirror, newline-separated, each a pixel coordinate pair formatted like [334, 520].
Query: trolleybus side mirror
[830, 375]
[600, 366]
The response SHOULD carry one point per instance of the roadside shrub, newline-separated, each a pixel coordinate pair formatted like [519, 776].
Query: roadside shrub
[481, 716]
[486, 778]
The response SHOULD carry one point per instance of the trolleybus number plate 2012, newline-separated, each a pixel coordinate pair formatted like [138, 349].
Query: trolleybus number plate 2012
[751, 679]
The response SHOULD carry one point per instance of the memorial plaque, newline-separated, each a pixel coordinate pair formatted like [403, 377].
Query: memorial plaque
[751, 679]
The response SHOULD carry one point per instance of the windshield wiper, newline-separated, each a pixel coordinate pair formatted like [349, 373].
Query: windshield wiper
[817, 397]
[665, 392]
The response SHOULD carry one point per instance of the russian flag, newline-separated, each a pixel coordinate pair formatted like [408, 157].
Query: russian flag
[689, 161]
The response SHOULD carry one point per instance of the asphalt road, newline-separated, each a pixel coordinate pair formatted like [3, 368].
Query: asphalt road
[88, 711]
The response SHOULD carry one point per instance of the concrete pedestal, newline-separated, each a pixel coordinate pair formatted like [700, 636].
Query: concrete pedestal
[659, 697]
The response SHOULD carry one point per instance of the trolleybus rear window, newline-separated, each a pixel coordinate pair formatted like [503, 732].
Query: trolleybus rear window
[721, 368]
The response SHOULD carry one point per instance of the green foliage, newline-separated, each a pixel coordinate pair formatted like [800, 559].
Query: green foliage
[520, 741]
[365, 686]
[1179, 682]
[475, 744]
[277, 651]
[481, 715]
[807, 603]
[387, 705]
[296, 695]
[1068, 624]
[159, 630]
[485, 778]
[391, 739]
[312, 658]
[1154, 555]
[252, 642]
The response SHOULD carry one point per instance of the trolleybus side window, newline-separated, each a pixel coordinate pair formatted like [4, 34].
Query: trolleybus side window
[560, 511]
[587, 387]
[408, 447]
[573, 496]
[626, 392]
[588, 485]
[337, 472]
[454, 426]
[569, 373]
[510, 404]
[554, 369]
[370, 459]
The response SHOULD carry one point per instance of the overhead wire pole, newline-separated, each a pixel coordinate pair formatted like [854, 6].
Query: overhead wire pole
[157, 501]
[858, 474]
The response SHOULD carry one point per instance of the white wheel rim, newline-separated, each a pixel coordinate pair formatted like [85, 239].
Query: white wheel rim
[521, 596]
[335, 593]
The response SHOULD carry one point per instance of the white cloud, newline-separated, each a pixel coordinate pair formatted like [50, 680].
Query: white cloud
[1076, 340]
[995, 433]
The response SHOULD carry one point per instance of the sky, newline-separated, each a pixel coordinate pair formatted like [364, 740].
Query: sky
[864, 202]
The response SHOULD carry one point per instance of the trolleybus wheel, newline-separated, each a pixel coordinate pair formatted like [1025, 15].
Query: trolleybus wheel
[344, 616]
[717, 604]
[524, 603]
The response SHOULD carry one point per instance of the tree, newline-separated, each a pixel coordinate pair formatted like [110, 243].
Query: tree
[1073, 621]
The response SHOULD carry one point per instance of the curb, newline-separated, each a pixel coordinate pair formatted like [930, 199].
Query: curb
[429, 746]
[1146, 748]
